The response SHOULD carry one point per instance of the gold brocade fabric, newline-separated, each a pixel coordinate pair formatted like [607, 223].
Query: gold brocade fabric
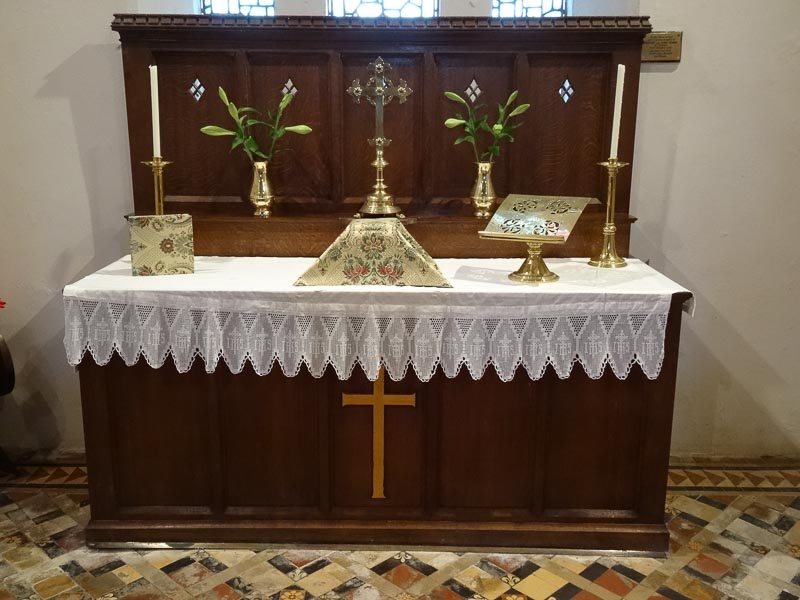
[162, 244]
[374, 252]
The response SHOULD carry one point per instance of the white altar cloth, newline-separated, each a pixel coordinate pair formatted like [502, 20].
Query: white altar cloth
[246, 309]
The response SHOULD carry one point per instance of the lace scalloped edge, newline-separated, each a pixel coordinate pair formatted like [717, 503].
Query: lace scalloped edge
[346, 373]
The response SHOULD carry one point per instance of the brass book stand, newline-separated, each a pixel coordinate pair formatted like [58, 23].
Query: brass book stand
[535, 220]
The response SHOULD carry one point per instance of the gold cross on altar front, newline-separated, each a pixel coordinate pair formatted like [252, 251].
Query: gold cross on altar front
[378, 400]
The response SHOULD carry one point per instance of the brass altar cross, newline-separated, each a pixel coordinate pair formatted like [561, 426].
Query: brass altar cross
[378, 400]
[379, 91]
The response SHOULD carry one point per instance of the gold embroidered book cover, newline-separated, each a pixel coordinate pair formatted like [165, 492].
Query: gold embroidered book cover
[161, 244]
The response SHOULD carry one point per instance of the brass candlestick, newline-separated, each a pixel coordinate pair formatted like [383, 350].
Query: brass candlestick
[608, 258]
[157, 165]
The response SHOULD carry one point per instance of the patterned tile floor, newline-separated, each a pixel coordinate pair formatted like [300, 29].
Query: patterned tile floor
[735, 533]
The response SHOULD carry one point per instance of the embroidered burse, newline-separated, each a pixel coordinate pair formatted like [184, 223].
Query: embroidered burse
[161, 244]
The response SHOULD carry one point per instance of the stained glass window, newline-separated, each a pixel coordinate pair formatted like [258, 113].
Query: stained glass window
[529, 8]
[248, 8]
[370, 9]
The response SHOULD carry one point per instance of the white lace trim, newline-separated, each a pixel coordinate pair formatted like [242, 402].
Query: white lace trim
[595, 340]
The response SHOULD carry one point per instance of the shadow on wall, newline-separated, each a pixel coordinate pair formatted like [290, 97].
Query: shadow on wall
[43, 414]
[33, 405]
[91, 79]
[706, 420]
[719, 410]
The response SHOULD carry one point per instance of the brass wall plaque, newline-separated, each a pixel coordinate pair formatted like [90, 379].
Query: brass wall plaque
[662, 46]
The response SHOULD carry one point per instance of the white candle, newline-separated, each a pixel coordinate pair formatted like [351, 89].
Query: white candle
[154, 108]
[617, 110]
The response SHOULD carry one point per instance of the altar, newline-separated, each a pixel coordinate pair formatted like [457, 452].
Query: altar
[231, 406]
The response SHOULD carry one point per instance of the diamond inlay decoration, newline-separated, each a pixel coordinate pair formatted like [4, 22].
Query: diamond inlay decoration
[197, 90]
[289, 87]
[473, 91]
[565, 91]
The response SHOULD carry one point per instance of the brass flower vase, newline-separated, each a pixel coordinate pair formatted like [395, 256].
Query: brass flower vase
[483, 191]
[261, 191]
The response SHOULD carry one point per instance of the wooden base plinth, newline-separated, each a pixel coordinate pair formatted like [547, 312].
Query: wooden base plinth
[648, 539]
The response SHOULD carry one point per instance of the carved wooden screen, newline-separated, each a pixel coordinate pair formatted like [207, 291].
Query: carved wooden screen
[564, 67]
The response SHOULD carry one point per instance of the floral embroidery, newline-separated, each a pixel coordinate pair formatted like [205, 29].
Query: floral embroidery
[161, 244]
[374, 252]
[372, 245]
[392, 270]
[355, 270]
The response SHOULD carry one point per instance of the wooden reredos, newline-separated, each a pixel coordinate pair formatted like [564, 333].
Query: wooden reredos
[326, 174]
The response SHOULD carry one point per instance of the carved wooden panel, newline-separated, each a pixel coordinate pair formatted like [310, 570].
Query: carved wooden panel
[481, 452]
[565, 132]
[303, 168]
[202, 166]
[177, 478]
[603, 472]
[270, 448]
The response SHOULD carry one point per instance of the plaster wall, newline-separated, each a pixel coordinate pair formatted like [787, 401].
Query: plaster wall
[714, 189]
[65, 181]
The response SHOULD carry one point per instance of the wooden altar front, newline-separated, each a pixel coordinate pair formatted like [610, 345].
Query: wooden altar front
[210, 458]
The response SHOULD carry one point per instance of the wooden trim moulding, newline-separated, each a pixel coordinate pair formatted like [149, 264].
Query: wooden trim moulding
[148, 27]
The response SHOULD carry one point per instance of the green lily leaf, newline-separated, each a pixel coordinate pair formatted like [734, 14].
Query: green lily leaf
[223, 96]
[455, 98]
[216, 131]
[237, 142]
[299, 129]
[250, 144]
[450, 123]
[234, 112]
[255, 122]
[519, 110]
